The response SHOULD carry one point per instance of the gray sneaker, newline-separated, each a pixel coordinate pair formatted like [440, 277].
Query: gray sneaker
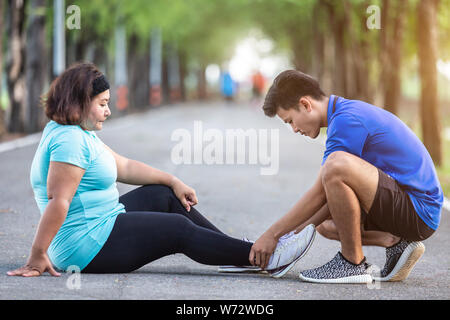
[339, 270]
[400, 259]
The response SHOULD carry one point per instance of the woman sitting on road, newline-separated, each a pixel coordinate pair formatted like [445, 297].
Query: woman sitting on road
[84, 222]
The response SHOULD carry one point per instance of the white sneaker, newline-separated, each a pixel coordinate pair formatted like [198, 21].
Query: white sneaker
[239, 269]
[291, 248]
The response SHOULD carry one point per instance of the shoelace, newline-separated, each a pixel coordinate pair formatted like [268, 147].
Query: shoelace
[285, 241]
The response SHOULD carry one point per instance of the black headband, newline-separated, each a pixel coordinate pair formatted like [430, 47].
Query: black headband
[99, 85]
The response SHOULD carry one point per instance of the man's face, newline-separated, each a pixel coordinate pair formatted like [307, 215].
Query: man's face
[304, 120]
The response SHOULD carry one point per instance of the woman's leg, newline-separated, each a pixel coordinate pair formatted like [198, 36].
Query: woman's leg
[160, 198]
[139, 238]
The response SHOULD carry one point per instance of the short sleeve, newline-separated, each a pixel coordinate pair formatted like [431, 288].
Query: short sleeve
[346, 133]
[70, 146]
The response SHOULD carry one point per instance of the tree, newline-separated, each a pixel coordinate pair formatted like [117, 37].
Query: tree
[361, 51]
[429, 102]
[36, 65]
[392, 28]
[2, 113]
[16, 64]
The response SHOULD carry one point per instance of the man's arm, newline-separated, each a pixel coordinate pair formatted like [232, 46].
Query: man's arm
[308, 205]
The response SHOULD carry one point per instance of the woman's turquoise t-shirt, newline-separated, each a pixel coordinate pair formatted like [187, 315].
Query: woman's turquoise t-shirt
[95, 205]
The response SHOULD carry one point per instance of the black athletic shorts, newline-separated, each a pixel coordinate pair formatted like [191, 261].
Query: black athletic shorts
[392, 211]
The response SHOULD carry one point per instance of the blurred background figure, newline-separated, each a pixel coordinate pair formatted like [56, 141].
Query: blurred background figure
[228, 86]
[258, 86]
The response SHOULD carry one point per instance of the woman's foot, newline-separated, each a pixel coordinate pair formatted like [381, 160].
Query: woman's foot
[240, 269]
[290, 248]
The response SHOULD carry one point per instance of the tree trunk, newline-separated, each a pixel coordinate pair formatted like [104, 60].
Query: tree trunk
[2, 112]
[138, 61]
[155, 70]
[394, 16]
[183, 71]
[16, 64]
[202, 91]
[429, 103]
[301, 59]
[121, 101]
[339, 21]
[361, 55]
[35, 66]
[173, 73]
[318, 58]
[165, 88]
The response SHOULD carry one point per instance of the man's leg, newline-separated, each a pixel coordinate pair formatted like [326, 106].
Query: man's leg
[350, 184]
[369, 238]
[326, 227]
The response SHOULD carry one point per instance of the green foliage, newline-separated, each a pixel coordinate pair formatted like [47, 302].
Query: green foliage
[444, 29]
[207, 30]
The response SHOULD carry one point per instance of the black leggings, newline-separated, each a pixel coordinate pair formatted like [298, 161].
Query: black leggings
[155, 225]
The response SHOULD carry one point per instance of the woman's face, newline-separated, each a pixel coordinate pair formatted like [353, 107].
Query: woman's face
[98, 112]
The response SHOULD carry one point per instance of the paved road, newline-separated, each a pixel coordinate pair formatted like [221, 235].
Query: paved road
[236, 197]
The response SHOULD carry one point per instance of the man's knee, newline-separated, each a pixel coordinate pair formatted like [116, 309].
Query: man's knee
[336, 166]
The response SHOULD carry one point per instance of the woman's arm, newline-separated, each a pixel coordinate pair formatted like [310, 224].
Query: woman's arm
[62, 182]
[138, 173]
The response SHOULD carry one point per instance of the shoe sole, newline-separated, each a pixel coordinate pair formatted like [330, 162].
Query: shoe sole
[405, 264]
[283, 270]
[234, 269]
[364, 278]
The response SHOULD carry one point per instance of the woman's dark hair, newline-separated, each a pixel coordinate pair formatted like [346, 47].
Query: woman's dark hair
[68, 99]
[287, 89]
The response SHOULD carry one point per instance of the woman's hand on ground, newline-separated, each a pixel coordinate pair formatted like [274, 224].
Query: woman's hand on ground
[36, 265]
[185, 194]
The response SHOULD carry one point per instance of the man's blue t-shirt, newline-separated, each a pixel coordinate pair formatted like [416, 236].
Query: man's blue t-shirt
[95, 205]
[383, 140]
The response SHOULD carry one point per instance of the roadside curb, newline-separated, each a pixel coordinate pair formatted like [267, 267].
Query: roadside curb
[20, 142]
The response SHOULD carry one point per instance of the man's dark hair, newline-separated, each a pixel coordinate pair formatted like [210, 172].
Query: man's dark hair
[287, 89]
